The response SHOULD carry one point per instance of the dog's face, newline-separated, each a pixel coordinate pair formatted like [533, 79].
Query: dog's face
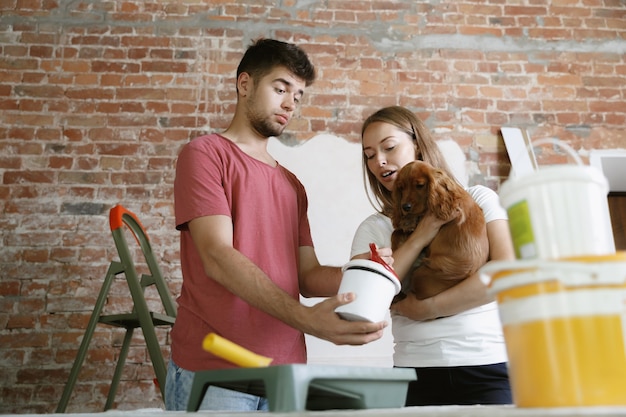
[410, 195]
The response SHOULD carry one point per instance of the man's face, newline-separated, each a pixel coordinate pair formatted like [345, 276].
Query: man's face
[273, 100]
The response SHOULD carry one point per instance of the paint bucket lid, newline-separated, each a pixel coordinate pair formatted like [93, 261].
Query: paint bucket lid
[575, 272]
[371, 266]
[554, 173]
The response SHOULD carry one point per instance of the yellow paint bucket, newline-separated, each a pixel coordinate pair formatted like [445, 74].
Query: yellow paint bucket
[564, 326]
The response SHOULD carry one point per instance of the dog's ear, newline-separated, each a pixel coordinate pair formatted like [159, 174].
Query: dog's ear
[396, 214]
[443, 196]
[396, 198]
[402, 181]
[421, 176]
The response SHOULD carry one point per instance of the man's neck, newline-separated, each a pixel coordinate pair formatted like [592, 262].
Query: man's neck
[251, 143]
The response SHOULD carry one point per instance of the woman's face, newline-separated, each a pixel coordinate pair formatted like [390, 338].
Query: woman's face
[387, 149]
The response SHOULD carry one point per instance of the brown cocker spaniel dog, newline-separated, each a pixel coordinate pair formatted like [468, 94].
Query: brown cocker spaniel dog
[460, 247]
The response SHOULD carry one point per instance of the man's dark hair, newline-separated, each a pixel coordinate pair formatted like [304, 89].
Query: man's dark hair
[266, 54]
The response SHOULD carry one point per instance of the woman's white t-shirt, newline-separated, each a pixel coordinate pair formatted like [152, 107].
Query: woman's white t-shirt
[473, 337]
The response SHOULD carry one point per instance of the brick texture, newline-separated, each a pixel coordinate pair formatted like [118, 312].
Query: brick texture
[97, 98]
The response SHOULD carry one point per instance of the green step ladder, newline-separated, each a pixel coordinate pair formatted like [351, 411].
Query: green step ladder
[140, 316]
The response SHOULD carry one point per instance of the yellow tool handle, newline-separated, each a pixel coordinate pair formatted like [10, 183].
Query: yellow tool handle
[234, 353]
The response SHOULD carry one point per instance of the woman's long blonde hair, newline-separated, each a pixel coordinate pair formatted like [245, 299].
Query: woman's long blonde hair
[427, 150]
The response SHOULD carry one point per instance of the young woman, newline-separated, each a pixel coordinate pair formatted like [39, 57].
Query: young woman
[454, 339]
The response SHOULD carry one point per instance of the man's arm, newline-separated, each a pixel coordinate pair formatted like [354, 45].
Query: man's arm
[317, 280]
[213, 238]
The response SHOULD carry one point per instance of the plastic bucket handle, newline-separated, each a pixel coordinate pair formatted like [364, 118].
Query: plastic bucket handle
[570, 151]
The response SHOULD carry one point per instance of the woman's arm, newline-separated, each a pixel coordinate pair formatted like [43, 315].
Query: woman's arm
[467, 294]
[402, 259]
[405, 256]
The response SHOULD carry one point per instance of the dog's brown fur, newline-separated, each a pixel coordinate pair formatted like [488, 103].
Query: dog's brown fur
[460, 247]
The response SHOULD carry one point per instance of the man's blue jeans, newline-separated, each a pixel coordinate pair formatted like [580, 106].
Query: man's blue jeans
[178, 388]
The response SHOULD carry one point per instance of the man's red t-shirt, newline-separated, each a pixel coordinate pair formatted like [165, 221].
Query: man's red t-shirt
[268, 208]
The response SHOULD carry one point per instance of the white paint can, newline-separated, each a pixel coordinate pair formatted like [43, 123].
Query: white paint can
[374, 287]
[559, 212]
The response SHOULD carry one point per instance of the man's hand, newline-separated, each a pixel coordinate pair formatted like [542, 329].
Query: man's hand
[324, 323]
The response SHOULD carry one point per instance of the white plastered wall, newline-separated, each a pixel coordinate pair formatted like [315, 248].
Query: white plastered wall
[331, 170]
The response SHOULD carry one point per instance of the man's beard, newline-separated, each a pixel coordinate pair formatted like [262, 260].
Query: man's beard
[260, 121]
[264, 126]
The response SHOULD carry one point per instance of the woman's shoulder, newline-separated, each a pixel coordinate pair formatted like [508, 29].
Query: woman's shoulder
[375, 228]
[377, 219]
[478, 191]
[489, 202]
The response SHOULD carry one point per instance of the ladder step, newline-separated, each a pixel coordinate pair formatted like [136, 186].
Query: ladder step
[131, 320]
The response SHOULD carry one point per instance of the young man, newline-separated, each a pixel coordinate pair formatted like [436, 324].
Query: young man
[246, 248]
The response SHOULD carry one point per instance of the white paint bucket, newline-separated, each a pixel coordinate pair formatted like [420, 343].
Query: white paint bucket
[559, 212]
[374, 287]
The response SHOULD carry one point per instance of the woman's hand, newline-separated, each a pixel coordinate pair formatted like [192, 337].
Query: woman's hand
[386, 255]
[428, 227]
[420, 238]
[415, 309]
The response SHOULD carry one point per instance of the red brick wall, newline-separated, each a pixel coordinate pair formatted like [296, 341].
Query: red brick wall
[97, 97]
